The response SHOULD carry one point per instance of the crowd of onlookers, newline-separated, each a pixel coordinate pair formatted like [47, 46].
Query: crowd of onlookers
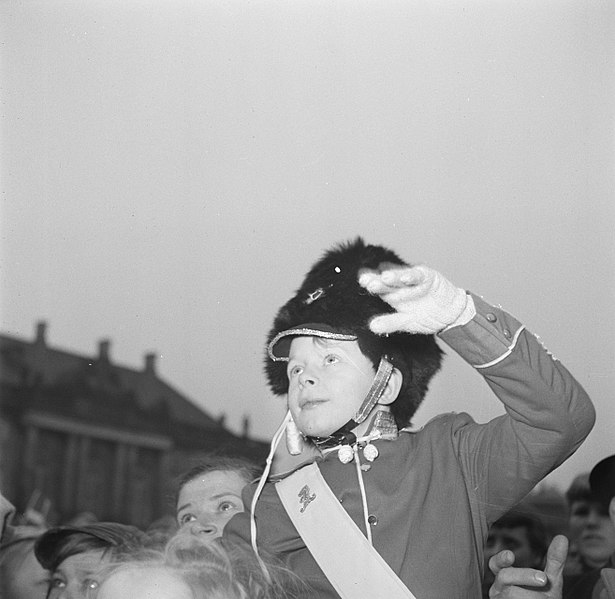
[119, 561]
[591, 534]
[110, 560]
[87, 558]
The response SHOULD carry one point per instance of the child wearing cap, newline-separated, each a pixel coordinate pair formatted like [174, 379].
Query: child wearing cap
[600, 582]
[385, 510]
[75, 554]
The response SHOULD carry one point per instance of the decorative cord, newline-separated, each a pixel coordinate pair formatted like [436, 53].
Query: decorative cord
[275, 441]
[357, 461]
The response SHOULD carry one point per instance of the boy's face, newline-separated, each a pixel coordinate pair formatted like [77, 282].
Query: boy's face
[328, 381]
[514, 539]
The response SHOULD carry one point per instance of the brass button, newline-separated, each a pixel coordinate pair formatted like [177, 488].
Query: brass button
[372, 520]
[491, 317]
[507, 333]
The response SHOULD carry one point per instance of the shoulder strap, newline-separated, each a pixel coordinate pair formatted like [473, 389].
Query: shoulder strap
[354, 568]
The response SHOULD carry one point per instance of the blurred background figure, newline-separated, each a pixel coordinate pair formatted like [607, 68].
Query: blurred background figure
[7, 510]
[81, 519]
[209, 494]
[36, 512]
[522, 533]
[590, 530]
[598, 583]
[21, 575]
[74, 555]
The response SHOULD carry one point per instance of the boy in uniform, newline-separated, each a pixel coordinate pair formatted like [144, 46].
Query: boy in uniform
[385, 510]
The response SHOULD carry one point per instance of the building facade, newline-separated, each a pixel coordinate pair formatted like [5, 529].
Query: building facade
[82, 434]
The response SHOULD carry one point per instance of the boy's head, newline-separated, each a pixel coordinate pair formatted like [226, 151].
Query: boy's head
[332, 309]
[522, 533]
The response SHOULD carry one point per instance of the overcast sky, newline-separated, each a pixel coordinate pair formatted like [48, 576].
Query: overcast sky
[171, 169]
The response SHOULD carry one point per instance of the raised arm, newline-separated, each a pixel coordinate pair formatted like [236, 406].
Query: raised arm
[548, 413]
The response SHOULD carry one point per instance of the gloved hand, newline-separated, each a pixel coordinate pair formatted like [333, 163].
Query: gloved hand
[424, 300]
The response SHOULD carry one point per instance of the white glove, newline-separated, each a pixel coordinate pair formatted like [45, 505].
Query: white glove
[424, 300]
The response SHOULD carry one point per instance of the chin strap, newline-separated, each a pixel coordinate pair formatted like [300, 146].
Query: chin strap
[344, 435]
[383, 374]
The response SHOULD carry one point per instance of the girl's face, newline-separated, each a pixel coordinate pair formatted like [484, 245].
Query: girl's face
[593, 532]
[206, 503]
[77, 575]
[136, 582]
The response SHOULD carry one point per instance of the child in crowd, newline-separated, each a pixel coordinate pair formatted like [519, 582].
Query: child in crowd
[599, 582]
[386, 510]
[522, 533]
[209, 494]
[589, 528]
[75, 554]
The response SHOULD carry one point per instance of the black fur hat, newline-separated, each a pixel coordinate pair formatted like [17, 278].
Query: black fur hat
[331, 295]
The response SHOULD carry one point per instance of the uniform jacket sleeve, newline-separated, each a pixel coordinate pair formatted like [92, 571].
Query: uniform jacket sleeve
[548, 413]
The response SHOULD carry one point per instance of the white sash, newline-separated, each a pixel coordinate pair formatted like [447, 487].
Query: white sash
[352, 565]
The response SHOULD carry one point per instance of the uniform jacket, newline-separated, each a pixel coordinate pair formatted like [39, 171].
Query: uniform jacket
[433, 493]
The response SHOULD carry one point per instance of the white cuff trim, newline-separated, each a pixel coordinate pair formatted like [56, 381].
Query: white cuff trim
[506, 353]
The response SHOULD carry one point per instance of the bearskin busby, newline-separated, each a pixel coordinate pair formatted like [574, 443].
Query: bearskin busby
[331, 295]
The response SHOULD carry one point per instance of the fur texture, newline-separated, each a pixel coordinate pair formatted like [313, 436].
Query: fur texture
[331, 294]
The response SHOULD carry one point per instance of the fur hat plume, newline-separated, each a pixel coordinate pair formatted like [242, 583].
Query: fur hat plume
[330, 295]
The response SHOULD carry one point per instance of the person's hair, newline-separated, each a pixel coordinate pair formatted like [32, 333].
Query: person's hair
[245, 468]
[213, 570]
[74, 544]
[579, 489]
[58, 544]
[534, 528]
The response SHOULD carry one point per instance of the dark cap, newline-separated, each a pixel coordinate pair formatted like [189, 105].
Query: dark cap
[602, 480]
[112, 534]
